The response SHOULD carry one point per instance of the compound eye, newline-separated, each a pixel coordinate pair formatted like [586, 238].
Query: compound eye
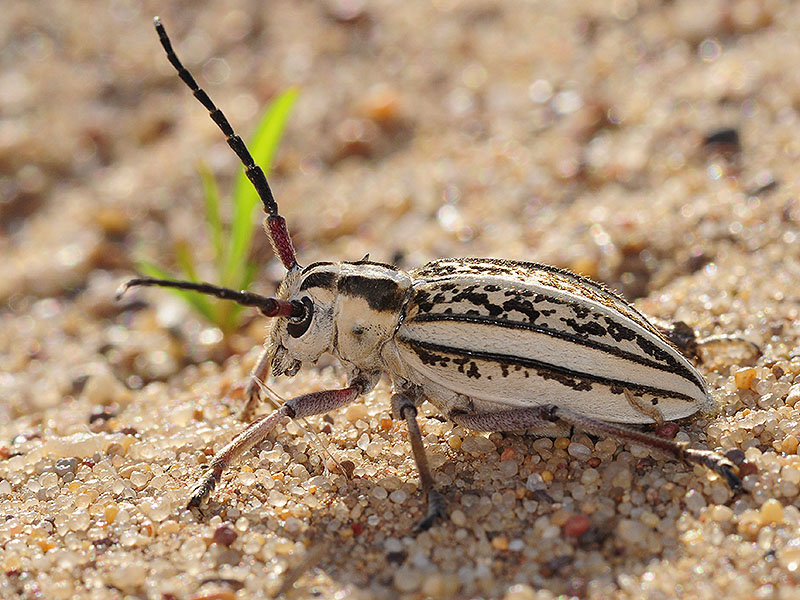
[297, 326]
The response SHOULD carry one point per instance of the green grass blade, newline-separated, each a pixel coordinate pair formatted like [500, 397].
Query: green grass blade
[263, 147]
[185, 260]
[197, 301]
[236, 309]
[211, 194]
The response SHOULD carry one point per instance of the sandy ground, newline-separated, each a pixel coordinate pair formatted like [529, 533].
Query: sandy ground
[570, 133]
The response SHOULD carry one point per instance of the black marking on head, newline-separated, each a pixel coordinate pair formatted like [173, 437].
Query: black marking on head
[320, 279]
[380, 293]
[313, 266]
[298, 328]
[366, 261]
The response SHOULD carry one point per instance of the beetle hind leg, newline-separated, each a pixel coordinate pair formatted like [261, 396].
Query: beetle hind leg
[708, 458]
[535, 417]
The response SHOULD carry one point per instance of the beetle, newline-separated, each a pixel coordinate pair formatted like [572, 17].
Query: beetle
[495, 345]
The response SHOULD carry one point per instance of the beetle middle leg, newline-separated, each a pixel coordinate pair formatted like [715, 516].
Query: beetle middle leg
[535, 417]
[404, 407]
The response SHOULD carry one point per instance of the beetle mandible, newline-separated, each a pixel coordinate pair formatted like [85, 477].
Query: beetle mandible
[496, 345]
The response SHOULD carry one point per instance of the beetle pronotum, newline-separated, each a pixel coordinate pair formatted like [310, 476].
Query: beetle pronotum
[495, 345]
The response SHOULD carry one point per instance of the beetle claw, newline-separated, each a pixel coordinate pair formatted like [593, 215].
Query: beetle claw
[727, 471]
[436, 511]
[717, 463]
[202, 490]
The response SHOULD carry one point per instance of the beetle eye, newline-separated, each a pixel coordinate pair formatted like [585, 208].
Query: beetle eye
[297, 326]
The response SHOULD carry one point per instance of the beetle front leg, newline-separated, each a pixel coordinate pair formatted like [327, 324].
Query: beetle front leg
[403, 407]
[258, 374]
[302, 406]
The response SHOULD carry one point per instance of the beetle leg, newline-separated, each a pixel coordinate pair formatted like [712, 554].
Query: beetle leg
[686, 340]
[403, 407]
[644, 407]
[251, 394]
[536, 417]
[713, 460]
[295, 408]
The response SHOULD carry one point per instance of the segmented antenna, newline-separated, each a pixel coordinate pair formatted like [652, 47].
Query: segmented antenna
[276, 224]
[269, 307]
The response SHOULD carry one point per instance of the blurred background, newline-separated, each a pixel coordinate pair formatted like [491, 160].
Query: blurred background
[547, 131]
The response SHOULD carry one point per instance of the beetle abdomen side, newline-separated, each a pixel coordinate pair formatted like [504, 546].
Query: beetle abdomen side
[521, 334]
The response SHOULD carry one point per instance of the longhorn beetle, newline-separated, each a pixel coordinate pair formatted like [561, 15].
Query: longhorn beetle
[496, 345]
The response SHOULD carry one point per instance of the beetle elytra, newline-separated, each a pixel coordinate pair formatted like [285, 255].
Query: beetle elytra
[495, 345]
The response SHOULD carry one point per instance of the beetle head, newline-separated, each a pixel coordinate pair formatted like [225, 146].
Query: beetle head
[307, 334]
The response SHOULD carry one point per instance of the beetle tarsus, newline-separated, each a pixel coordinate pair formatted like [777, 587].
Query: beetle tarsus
[436, 511]
[202, 490]
[717, 463]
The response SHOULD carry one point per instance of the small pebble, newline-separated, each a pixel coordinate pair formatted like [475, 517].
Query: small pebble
[736, 456]
[398, 496]
[576, 525]
[721, 513]
[128, 578]
[771, 512]
[356, 412]
[579, 451]
[476, 444]
[631, 532]
[520, 591]
[500, 542]
[225, 535]
[793, 397]
[789, 444]
[744, 378]
[379, 493]
[407, 580]
[561, 443]
[458, 518]
[694, 501]
[667, 430]
[66, 465]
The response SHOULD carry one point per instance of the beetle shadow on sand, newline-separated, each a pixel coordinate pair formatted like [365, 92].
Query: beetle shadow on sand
[523, 530]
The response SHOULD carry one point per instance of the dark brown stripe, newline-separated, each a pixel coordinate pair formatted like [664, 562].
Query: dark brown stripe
[313, 266]
[320, 279]
[444, 268]
[544, 368]
[676, 368]
[380, 293]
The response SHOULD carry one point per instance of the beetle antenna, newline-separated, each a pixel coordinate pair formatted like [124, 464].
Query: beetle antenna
[725, 338]
[269, 307]
[276, 224]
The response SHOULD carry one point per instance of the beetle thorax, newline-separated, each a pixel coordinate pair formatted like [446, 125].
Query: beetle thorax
[353, 309]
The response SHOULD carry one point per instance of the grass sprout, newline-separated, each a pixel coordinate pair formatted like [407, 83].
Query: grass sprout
[231, 242]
